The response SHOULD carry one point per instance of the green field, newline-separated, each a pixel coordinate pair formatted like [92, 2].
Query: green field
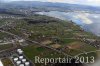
[41, 28]
[7, 62]
[34, 50]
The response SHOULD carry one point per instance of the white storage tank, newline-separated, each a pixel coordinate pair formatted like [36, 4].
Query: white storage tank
[15, 59]
[21, 65]
[21, 57]
[22, 40]
[18, 62]
[23, 60]
[27, 63]
[19, 51]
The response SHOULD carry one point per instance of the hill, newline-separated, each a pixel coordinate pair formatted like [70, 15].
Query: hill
[49, 6]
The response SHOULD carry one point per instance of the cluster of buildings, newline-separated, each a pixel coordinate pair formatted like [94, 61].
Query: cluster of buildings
[93, 42]
[21, 60]
[12, 17]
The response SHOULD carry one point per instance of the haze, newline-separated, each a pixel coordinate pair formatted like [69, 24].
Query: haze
[83, 2]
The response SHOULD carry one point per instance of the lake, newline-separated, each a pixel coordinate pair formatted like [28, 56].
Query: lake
[88, 21]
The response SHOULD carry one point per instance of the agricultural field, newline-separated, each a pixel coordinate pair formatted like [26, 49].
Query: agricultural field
[34, 50]
[60, 35]
[7, 62]
[52, 32]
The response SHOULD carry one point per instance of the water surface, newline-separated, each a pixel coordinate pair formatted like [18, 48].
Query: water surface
[87, 21]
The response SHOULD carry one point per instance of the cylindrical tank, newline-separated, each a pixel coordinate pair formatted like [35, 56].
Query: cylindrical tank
[23, 60]
[21, 65]
[27, 63]
[21, 57]
[19, 51]
[15, 59]
[18, 62]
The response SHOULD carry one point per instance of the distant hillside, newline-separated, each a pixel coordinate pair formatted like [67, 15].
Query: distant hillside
[48, 6]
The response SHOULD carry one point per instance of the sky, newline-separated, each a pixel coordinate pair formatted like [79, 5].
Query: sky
[83, 2]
